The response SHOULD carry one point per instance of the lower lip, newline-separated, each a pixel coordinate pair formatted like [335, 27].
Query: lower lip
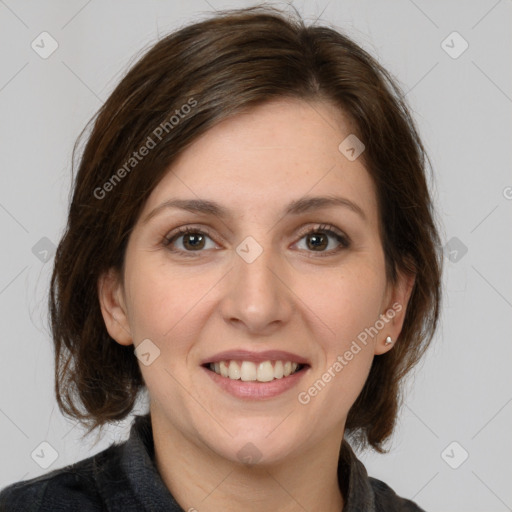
[254, 390]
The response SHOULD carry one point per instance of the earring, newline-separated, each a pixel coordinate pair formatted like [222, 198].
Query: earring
[388, 340]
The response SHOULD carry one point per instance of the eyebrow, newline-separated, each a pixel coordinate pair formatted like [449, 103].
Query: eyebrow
[297, 207]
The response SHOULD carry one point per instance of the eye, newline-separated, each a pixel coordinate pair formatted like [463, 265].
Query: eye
[317, 239]
[194, 240]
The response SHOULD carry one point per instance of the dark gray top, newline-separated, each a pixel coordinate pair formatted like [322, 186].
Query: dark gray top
[124, 478]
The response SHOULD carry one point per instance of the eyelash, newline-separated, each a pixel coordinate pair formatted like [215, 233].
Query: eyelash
[322, 228]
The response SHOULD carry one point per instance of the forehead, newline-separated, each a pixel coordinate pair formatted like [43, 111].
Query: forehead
[273, 154]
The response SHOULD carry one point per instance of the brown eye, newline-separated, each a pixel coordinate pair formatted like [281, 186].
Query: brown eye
[187, 240]
[193, 241]
[319, 239]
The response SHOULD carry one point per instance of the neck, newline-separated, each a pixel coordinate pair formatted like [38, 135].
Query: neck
[201, 480]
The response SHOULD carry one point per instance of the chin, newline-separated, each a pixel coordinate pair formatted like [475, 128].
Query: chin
[263, 446]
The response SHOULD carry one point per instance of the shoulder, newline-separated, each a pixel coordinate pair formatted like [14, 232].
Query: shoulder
[387, 500]
[72, 486]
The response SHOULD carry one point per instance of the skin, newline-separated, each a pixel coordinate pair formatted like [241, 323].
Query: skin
[289, 298]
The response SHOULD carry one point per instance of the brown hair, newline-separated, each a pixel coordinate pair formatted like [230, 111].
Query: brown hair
[220, 67]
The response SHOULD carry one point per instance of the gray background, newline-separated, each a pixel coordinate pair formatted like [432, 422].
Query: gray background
[461, 393]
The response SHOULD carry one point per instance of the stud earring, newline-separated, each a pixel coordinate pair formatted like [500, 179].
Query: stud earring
[388, 340]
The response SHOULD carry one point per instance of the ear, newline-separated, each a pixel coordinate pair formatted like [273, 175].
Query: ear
[395, 307]
[113, 307]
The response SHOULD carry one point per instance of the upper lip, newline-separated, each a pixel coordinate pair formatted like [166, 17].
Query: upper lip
[256, 357]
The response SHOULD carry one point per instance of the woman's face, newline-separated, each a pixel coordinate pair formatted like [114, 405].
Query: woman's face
[278, 276]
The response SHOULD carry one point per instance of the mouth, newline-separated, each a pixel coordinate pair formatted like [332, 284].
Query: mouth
[250, 375]
[250, 371]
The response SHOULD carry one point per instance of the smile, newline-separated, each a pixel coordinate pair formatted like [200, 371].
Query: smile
[247, 371]
[251, 375]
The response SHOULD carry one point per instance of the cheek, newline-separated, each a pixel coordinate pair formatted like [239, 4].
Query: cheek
[350, 355]
[346, 301]
[158, 303]
[167, 305]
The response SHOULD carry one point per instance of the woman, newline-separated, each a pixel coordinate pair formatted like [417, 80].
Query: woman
[251, 240]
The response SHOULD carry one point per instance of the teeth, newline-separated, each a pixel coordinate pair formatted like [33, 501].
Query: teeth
[278, 370]
[248, 371]
[234, 371]
[223, 369]
[265, 371]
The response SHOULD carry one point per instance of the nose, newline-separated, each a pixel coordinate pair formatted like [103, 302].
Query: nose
[257, 298]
